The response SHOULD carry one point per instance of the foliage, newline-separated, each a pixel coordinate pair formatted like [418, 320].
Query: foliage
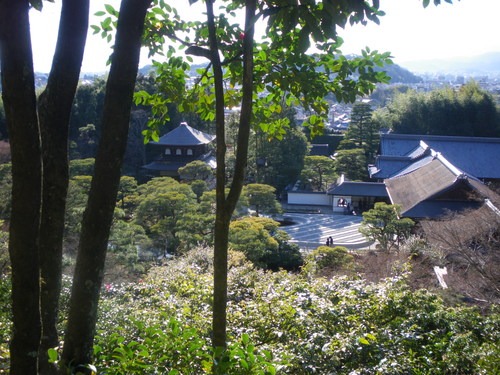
[170, 348]
[352, 164]
[263, 243]
[5, 190]
[242, 69]
[319, 171]
[468, 111]
[287, 256]
[262, 197]
[87, 141]
[283, 159]
[253, 237]
[198, 187]
[127, 194]
[86, 109]
[196, 170]
[330, 258]
[362, 130]
[4, 249]
[76, 202]
[5, 321]
[384, 225]
[296, 325]
[126, 243]
[161, 203]
[302, 85]
[81, 167]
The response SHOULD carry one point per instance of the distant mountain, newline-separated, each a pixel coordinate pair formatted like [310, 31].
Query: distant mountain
[399, 74]
[485, 64]
[396, 72]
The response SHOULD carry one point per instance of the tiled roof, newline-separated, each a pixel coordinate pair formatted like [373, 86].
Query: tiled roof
[421, 191]
[410, 189]
[185, 135]
[359, 189]
[439, 208]
[477, 156]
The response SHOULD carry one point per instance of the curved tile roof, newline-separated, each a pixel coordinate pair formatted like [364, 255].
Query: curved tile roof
[185, 135]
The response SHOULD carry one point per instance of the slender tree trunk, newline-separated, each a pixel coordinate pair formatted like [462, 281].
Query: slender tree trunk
[221, 221]
[98, 215]
[226, 206]
[54, 110]
[18, 87]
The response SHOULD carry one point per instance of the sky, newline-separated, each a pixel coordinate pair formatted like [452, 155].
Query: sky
[408, 31]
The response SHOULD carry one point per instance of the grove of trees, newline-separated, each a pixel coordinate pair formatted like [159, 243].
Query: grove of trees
[466, 111]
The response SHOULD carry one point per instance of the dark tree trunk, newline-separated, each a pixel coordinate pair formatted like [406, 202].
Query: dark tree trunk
[226, 206]
[54, 110]
[19, 99]
[98, 215]
[219, 320]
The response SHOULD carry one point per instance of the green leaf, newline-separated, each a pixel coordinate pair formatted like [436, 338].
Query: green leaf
[363, 341]
[109, 8]
[53, 355]
[37, 4]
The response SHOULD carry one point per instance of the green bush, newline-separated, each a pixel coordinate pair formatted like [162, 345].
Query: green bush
[5, 322]
[331, 258]
[284, 323]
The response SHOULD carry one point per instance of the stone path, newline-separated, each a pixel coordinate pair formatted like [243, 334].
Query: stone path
[312, 230]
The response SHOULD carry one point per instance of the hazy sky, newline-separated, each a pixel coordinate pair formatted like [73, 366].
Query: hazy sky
[408, 31]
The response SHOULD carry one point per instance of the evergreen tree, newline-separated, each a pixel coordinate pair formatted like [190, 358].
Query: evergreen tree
[363, 131]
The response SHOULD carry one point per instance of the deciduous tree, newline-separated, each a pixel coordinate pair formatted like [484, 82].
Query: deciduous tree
[278, 68]
[36, 229]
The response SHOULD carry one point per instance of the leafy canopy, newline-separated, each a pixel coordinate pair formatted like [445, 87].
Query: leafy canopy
[297, 62]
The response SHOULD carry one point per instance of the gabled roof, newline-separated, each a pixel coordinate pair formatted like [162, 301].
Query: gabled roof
[359, 189]
[184, 135]
[418, 191]
[437, 208]
[475, 156]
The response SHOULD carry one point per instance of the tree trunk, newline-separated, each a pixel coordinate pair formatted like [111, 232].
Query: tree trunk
[54, 110]
[219, 320]
[19, 99]
[98, 215]
[226, 206]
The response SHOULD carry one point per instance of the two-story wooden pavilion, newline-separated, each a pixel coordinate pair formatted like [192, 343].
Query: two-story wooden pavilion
[177, 148]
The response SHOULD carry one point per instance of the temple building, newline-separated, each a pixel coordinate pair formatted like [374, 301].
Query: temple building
[177, 148]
